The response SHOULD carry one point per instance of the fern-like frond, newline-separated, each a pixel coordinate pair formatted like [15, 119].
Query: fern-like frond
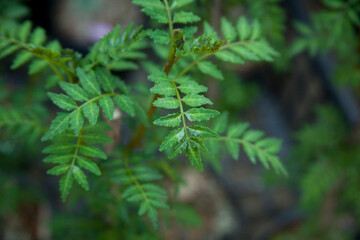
[22, 123]
[32, 48]
[117, 47]
[243, 42]
[72, 154]
[11, 11]
[83, 101]
[252, 141]
[155, 9]
[177, 94]
[139, 188]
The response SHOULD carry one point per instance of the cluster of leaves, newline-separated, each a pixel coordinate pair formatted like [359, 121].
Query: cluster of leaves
[186, 138]
[83, 102]
[72, 156]
[243, 43]
[22, 123]
[88, 85]
[115, 49]
[12, 10]
[31, 43]
[252, 142]
[334, 29]
[272, 16]
[158, 11]
[179, 91]
[312, 157]
[138, 186]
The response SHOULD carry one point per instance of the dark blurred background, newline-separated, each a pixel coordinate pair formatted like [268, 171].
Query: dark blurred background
[309, 98]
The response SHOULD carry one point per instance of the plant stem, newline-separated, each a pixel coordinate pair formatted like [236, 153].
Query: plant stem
[169, 63]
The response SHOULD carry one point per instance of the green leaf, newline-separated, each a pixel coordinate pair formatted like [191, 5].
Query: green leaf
[105, 79]
[256, 33]
[220, 123]
[180, 3]
[61, 159]
[91, 112]
[88, 81]
[228, 56]
[191, 87]
[185, 17]
[122, 65]
[154, 9]
[201, 131]
[210, 69]
[59, 148]
[210, 31]
[245, 53]
[58, 170]
[21, 59]
[174, 137]
[164, 89]
[38, 37]
[92, 138]
[236, 130]
[62, 101]
[91, 151]
[107, 105]
[171, 120]
[201, 114]
[193, 154]
[181, 146]
[166, 102]
[252, 135]
[243, 28]
[270, 145]
[66, 182]
[77, 121]
[189, 31]
[193, 100]
[8, 51]
[144, 207]
[80, 177]
[126, 104]
[58, 125]
[159, 36]
[233, 148]
[24, 31]
[158, 77]
[74, 91]
[152, 213]
[228, 30]
[250, 152]
[261, 50]
[88, 165]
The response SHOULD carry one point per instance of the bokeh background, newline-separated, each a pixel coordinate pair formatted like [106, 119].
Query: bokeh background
[308, 97]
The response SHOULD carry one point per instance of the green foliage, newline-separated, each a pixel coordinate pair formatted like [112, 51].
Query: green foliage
[19, 123]
[183, 139]
[87, 93]
[139, 187]
[116, 48]
[31, 47]
[252, 141]
[71, 153]
[324, 172]
[333, 29]
[90, 94]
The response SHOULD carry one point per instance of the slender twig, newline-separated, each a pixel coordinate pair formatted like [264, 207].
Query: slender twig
[169, 63]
